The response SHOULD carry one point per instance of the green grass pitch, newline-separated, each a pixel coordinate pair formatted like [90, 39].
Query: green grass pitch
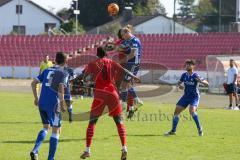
[20, 123]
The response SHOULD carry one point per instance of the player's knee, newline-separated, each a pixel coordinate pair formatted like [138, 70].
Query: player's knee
[117, 119]
[93, 120]
[46, 126]
[192, 110]
[56, 130]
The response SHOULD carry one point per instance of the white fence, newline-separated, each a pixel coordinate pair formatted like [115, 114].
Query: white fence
[23, 72]
[147, 76]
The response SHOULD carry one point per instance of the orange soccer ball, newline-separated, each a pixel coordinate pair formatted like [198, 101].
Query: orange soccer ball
[113, 9]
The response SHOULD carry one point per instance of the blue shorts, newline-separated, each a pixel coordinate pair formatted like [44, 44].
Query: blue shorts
[185, 101]
[231, 88]
[51, 117]
[67, 97]
[133, 68]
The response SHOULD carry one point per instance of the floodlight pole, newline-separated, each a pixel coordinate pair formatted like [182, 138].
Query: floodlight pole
[174, 17]
[220, 16]
[76, 12]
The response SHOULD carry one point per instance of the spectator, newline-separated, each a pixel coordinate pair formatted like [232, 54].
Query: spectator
[45, 64]
[232, 74]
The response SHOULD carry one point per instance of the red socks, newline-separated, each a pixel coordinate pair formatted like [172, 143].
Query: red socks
[122, 133]
[90, 133]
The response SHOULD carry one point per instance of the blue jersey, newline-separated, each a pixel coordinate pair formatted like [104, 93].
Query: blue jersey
[71, 76]
[191, 84]
[50, 79]
[133, 43]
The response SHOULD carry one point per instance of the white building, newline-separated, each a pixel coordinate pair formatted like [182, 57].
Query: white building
[151, 24]
[161, 25]
[25, 17]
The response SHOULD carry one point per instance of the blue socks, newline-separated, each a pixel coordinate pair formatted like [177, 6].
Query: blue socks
[132, 92]
[53, 146]
[40, 138]
[175, 123]
[196, 120]
[124, 95]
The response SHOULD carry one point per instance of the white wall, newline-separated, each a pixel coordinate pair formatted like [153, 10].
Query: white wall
[161, 25]
[32, 17]
[19, 72]
[170, 77]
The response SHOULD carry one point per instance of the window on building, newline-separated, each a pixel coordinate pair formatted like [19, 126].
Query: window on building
[48, 26]
[19, 9]
[19, 29]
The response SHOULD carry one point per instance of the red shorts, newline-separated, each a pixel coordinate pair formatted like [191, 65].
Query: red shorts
[108, 96]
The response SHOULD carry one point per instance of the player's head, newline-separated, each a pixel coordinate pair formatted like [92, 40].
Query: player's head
[46, 58]
[190, 64]
[231, 62]
[101, 53]
[126, 32]
[61, 59]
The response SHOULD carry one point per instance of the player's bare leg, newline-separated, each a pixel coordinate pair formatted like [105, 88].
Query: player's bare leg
[236, 100]
[122, 134]
[89, 137]
[193, 113]
[230, 100]
[175, 121]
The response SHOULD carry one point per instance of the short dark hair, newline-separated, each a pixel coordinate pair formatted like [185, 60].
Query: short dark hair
[119, 34]
[61, 58]
[101, 52]
[231, 60]
[190, 61]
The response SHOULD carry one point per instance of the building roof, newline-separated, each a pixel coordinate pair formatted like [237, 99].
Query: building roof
[3, 2]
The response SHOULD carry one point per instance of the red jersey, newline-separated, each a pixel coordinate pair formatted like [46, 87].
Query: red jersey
[105, 72]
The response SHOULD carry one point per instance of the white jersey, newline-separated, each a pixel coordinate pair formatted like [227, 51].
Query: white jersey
[231, 74]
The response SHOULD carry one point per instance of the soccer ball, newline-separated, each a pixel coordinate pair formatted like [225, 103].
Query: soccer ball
[113, 9]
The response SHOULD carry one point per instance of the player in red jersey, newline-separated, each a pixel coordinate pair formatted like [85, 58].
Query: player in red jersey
[104, 73]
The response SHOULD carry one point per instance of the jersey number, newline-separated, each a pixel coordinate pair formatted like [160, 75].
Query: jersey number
[49, 78]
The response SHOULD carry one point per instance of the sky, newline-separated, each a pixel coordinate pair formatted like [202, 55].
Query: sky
[56, 5]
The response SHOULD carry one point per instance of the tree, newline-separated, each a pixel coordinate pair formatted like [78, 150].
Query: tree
[149, 7]
[228, 11]
[64, 13]
[70, 27]
[204, 9]
[94, 12]
[186, 9]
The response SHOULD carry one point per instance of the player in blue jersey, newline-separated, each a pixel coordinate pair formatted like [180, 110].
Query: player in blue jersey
[50, 103]
[191, 96]
[133, 55]
[67, 96]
